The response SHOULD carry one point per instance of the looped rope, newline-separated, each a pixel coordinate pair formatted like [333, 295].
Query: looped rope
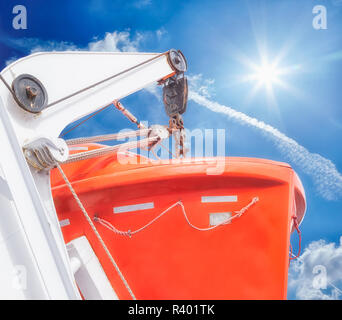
[296, 225]
[129, 233]
[95, 231]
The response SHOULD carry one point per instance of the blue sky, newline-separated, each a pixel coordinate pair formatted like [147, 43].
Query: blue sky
[222, 40]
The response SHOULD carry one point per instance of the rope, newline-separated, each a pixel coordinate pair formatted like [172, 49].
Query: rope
[95, 231]
[108, 137]
[155, 155]
[295, 223]
[118, 105]
[86, 119]
[129, 233]
[167, 149]
[103, 151]
[7, 85]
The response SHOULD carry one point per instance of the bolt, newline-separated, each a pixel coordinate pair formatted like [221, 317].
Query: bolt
[31, 92]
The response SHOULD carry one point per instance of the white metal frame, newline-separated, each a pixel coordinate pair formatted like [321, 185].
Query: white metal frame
[34, 261]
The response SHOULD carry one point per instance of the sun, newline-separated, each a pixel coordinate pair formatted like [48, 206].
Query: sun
[267, 74]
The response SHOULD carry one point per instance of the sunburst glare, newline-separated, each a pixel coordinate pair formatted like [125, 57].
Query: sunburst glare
[266, 74]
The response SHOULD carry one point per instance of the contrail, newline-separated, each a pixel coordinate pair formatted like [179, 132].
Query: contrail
[326, 178]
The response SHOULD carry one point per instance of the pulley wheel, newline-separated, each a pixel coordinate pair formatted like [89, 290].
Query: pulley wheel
[30, 93]
[177, 60]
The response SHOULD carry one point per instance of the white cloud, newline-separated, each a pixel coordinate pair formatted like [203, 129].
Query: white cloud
[142, 3]
[112, 41]
[317, 274]
[35, 45]
[160, 33]
[10, 60]
[326, 178]
[155, 90]
[117, 41]
[201, 86]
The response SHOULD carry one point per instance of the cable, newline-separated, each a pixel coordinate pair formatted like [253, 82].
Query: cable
[6, 84]
[129, 233]
[295, 223]
[92, 115]
[96, 232]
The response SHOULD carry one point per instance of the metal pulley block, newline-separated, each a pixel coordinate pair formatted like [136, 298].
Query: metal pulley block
[175, 94]
[44, 153]
[175, 98]
[29, 93]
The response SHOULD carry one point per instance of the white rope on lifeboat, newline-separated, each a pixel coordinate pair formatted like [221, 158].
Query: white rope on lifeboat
[96, 232]
[129, 233]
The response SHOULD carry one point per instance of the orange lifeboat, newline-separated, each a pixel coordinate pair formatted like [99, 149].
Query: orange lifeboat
[186, 234]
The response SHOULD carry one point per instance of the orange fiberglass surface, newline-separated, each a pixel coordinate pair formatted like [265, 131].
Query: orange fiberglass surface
[176, 258]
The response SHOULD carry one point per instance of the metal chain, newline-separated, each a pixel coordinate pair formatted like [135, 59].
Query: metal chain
[96, 232]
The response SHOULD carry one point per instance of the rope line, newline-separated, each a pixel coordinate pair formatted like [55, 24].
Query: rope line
[86, 119]
[110, 149]
[129, 233]
[108, 137]
[95, 231]
[7, 85]
[295, 224]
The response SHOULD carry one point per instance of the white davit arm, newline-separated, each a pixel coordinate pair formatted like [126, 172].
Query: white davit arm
[64, 73]
[34, 261]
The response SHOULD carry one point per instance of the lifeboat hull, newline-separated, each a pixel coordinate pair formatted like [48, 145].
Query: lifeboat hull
[247, 258]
